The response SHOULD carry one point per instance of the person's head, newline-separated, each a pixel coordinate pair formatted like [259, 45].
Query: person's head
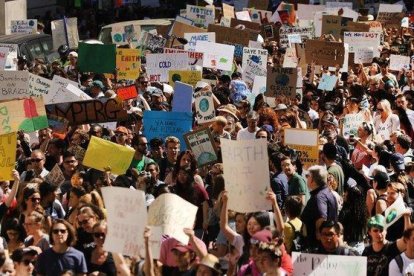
[408, 236]
[24, 260]
[219, 123]
[293, 206]
[96, 88]
[252, 119]
[183, 255]
[37, 159]
[256, 222]
[241, 223]
[397, 162]
[143, 82]
[394, 190]
[55, 147]
[70, 163]
[330, 232]
[403, 143]
[172, 146]
[75, 194]
[209, 266]
[270, 256]
[384, 108]
[77, 179]
[48, 191]
[317, 177]
[186, 159]
[62, 233]
[261, 236]
[121, 135]
[376, 228]
[156, 148]
[96, 130]
[365, 130]
[8, 267]
[14, 230]
[80, 138]
[153, 169]
[99, 232]
[33, 222]
[140, 144]
[87, 217]
[401, 101]
[31, 198]
[43, 134]
[381, 181]
[329, 152]
[287, 166]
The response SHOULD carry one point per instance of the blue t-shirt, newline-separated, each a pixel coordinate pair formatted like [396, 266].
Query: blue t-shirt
[52, 263]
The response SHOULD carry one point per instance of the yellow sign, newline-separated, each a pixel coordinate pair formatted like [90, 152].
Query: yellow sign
[128, 63]
[306, 143]
[102, 155]
[187, 76]
[7, 155]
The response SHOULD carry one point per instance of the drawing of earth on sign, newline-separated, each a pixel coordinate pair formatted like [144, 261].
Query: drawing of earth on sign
[256, 59]
[205, 158]
[117, 38]
[204, 105]
[282, 79]
[176, 77]
[391, 216]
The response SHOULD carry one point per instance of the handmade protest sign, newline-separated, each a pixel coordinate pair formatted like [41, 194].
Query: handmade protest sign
[190, 77]
[363, 55]
[127, 92]
[158, 65]
[159, 124]
[246, 169]
[202, 16]
[11, 59]
[327, 82]
[90, 58]
[250, 26]
[258, 56]
[60, 33]
[28, 26]
[126, 217]
[4, 52]
[319, 264]
[305, 142]
[173, 214]
[351, 124]
[243, 15]
[363, 39]
[63, 91]
[304, 34]
[228, 11]
[193, 38]
[195, 59]
[395, 211]
[398, 62]
[325, 52]
[204, 106]
[93, 111]
[128, 63]
[335, 25]
[38, 86]
[27, 115]
[97, 153]
[390, 19]
[7, 155]
[233, 36]
[154, 43]
[258, 4]
[307, 12]
[14, 85]
[290, 59]
[281, 81]
[216, 55]
[202, 145]
[55, 176]
[179, 29]
[251, 70]
[183, 96]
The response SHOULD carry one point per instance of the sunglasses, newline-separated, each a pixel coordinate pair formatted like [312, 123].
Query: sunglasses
[35, 199]
[83, 222]
[37, 160]
[119, 134]
[57, 231]
[99, 235]
[28, 262]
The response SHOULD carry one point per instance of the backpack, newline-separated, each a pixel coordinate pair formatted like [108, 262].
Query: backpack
[298, 242]
[399, 261]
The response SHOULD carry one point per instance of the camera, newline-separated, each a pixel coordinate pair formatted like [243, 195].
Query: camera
[145, 177]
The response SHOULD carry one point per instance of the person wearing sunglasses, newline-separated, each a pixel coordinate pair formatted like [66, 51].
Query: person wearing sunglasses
[385, 121]
[61, 256]
[37, 167]
[24, 260]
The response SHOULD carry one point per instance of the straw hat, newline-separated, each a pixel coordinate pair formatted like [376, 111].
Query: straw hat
[212, 262]
[230, 109]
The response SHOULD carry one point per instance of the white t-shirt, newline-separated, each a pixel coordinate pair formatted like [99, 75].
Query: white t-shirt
[408, 266]
[384, 129]
[245, 134]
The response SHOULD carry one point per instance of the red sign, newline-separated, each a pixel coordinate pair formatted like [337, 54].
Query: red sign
[127, 92]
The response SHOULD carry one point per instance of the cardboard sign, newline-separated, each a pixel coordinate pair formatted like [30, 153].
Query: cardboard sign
[27, 115]
[327, 82]
[192, 39]
[195, 59]
[204, 106]
[258, 4]
[249, 26]
[202, 16]
[260, 16]
[325, 52]
[202, 144]
[179, 29]
[216, 55]
[363, 39]
[228, 11]
[246, 173]
[318, 264]
[11, 60]
[334, 25]
[364, 55]
[154, 43]
[124, 36]
[398, 62]
[259, 56]
[251, 70]
[60, 33]
[304, 33]
[305, 142]
[158, 65]
[55, 176]
[281, 81]
[243, 15]
[190, 77]
[290, 59]
[99, 150]
[307, 12]
[127, 92]
[8, 155]
[395, 211]
[90, 58]
[14, 85]
[28, 26]
[339, 5]
[126, 216]
[173, 214]
[390, 19]
[183, 96]
[233, 36]
[163, 124]
[38, 86]
[128, 63]
[94, 111]
[351, 124]
[358, 27]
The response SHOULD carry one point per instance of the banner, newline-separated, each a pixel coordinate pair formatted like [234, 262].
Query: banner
[363, 39]
[99, 150]
[195, 59]
[259, 56]
[395, 211]
[173, 214]
[8, 155]
[27, 115]
[28, 26]
[91, 58]
[94, 111]
[59, 36]
[204, 106]
[190, 77]
[305, 142]
[318, 264]
[128, 64]
[398, 62]
[351, 124]
[126, 216]
[202, 145]
[304, 34]
[14, 85]
[193, 38]
[216, 56]
[158, 65]
[246, 173]
[183, 96]
[325, 52]
[202, 16]
[160, 124]
[281, 81]
[127, 92]
[11, 60]
[38, 86]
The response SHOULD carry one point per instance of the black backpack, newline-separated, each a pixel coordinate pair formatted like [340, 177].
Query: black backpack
[298, 242]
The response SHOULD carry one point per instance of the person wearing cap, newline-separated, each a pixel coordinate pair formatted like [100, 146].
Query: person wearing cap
[121, 136]
[157, 101]
[71, 69]
[209, 266]
[380, 252]
[330, 124]
[24, 260]
[97, 89]
[397, 165]
[403, 264]
[249, 133]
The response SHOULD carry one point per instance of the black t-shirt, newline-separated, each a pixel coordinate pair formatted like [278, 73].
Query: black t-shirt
[108, 267]
[341, 250]
[173, 271]
[377, 262]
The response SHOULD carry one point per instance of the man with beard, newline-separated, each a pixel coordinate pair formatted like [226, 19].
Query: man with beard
[140, 159]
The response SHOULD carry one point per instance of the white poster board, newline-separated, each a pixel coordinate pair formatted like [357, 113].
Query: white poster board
[11, 60]
[4, 52]
[362, 40]
[28, 26]
[258, 56]
[38, 86]
[216, 55]
[202, 16]
[158, 65]
[398, 62]
[363, 55]
[59, 36]
[351, 124]
[395, 211]
[193, 38]
[58, 92]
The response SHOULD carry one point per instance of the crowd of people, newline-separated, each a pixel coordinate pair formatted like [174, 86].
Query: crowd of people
[336, 207]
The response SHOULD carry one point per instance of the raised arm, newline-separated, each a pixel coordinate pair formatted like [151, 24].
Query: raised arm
[270, 195]
[229, 233]
[15, 188]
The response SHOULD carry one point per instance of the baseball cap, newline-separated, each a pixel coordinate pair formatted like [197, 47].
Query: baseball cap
[18, 254]
[98, 83]
[212, 262]
[73, 54]
[182, 248]
[377, 221]
[397, 161]
[280, 107]
[382, 179]
[121, 129]
[268, 128]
